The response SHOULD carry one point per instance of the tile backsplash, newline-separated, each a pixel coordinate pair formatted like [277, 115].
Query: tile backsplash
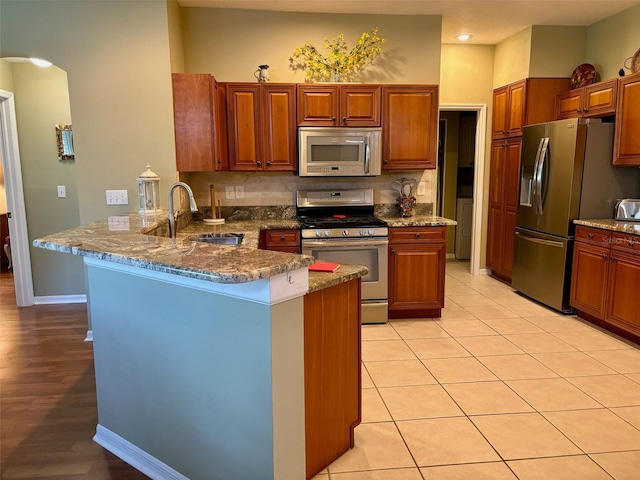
[263, 189]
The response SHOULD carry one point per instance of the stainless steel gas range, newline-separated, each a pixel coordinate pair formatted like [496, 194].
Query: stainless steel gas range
[340, 226]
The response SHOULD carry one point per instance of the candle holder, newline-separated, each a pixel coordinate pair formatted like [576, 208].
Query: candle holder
[149, 192]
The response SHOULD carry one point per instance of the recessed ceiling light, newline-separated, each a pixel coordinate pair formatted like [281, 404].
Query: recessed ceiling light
[463, 37]
[40, 62]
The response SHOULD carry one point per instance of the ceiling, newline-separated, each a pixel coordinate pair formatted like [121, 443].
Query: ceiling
[489, 21]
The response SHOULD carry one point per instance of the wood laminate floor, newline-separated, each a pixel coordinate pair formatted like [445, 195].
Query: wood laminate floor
[48, 410]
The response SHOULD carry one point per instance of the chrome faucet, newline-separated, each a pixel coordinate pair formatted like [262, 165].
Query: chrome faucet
[173, 226]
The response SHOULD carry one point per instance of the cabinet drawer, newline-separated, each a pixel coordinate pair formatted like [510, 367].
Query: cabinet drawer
[282, 238]
[626, 243]
[594, 236]
[417, 234]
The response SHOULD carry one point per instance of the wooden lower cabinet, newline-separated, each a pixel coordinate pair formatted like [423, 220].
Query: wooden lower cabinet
[624, 279]
[281, 240]
[332, 375]
[605, 279]
[417, 262]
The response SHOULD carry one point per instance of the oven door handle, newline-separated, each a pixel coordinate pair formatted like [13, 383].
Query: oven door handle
[357, 242]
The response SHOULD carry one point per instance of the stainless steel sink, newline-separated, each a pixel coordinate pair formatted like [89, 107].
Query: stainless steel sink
[221, 238]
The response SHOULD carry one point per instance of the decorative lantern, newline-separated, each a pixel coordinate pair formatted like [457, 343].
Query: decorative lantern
[149, 192]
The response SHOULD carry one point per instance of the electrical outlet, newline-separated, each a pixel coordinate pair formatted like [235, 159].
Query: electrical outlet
[422, 188]
[117, 197]
[62, 191]
[229, 193]
[239, 191]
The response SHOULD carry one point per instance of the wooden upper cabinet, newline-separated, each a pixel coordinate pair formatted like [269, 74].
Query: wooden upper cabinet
[243, 124]
[523, 103]
[279, 127]
[193, 121]
[595, 100]
[508, 110]
[318, 105]
[339, 105]
[360, 106]
[261, 127]
[409, 127]
[626, 147]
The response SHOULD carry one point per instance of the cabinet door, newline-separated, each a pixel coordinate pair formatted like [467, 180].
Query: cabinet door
[600, 99]
[318, 105]
[360, 106]
[517, 98]
[243, 123]
[626, 147]
[494, 239]
[416, 276]
[569, 104]
[409, 127]
[624, 278]
[511, 179]
[193, 120]
[589, 279]
[332, 373]
[279, 127]
[499, 121]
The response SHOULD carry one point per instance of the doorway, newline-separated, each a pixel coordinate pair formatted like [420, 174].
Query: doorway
[461, 177]
[17, 223]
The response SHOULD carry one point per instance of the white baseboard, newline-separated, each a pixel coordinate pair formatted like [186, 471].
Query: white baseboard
[89, 337]
[134, 456]
[451, 255]
[56, 299]
[484, 271]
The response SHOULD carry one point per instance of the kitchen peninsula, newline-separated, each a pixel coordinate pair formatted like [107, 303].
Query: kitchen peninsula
[201, 351]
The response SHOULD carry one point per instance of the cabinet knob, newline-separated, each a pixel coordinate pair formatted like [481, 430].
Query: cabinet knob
[590, 235]
[268, 164]
[579, 111]
[585, 110]
[282, 238]
[417, 235]
[333, 119]
[385, 161]
[630, 243]
[344, 120]
[393, 251]
[604, 257]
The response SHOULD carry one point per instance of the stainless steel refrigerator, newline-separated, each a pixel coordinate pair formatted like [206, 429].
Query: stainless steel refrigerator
[565, 174]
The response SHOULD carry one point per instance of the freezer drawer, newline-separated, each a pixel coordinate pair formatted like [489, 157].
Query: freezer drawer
[542, 268]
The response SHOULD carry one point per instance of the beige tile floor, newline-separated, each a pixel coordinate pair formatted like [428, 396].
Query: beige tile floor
[497, 388]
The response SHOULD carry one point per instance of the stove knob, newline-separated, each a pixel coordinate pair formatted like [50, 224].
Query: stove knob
[372, 231]
[362, 233]
[318, 233]
[345, 233]
[326, 233]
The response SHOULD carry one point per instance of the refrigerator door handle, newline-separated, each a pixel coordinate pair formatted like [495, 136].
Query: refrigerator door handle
[550, 243]
[538, 174]
[535, 170]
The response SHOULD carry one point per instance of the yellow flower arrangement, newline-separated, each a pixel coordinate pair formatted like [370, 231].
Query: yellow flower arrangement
[340, 63]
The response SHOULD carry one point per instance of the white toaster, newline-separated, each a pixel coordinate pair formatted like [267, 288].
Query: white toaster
[628, 210]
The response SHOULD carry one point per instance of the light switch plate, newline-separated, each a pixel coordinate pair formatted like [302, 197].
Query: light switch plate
[229, 192]
[62, 191]
[117, 197]
[239, 191]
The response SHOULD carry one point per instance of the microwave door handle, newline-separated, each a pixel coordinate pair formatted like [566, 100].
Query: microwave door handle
[367, 155]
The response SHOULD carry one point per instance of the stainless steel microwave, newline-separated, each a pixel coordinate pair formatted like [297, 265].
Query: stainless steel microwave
[339, 152]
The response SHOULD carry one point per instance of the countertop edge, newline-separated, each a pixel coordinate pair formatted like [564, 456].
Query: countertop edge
[632, 228]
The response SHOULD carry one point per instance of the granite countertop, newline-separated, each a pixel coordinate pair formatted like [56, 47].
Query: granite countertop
[129, 240]
[632, 228]
[418, 221]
